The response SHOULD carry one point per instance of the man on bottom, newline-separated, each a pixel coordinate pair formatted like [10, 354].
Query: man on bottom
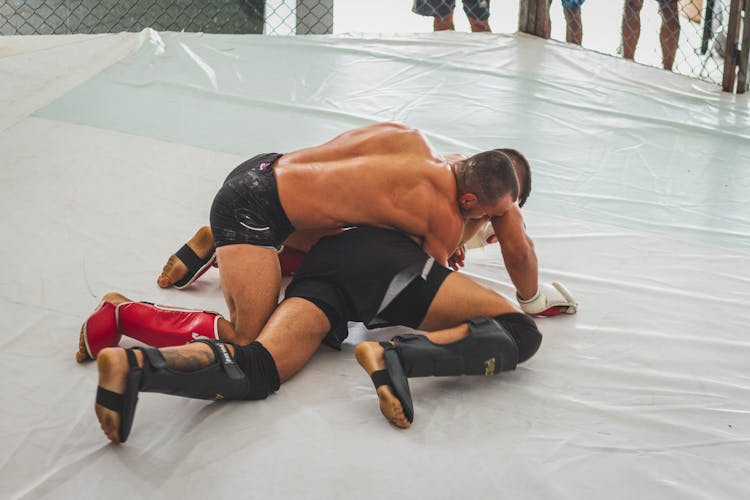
[376, 276]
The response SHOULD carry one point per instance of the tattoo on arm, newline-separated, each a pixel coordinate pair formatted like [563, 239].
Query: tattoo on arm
[187, 360]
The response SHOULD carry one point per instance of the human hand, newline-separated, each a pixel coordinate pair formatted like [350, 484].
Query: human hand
[457, 259]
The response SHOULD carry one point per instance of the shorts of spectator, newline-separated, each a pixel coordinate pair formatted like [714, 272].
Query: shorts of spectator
[476, 9]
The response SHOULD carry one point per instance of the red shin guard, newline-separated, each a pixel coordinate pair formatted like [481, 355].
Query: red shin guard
[162, 326]
[100, 329]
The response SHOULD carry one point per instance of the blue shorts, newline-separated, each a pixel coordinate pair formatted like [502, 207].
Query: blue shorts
[476, 9]
[569, 4]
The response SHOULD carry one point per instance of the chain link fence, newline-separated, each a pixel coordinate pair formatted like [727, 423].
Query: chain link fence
[691, 36]
[30, 17]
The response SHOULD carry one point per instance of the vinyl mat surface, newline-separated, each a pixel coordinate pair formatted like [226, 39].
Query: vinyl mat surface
[112, 146]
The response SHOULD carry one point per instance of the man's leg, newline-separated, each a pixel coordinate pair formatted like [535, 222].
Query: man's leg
[202, 244]
[370, 356]
[574, 26]
[293, 334]
[478, 13]
[479, 26]
[154, 325]
[444, 23]
[458, 300]
[250, 279]
[631, 27]
[291, 337]
[669, 35]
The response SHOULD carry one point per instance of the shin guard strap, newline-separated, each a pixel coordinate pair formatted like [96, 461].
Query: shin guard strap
[398, 381]
[221, 379]
[380, 377]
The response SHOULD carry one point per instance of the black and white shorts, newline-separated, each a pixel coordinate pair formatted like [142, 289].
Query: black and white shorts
[379, 277]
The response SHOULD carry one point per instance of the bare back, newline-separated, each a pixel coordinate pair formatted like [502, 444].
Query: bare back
[384, 175]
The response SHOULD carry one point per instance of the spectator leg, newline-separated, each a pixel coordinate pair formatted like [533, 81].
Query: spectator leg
[479, 26]
[443, 23]
[670, 32]
[631, 27]
[574, 29]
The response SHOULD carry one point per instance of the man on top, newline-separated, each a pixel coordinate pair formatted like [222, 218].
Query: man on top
[384, 175]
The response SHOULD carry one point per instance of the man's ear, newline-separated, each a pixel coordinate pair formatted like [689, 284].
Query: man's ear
[467, 201]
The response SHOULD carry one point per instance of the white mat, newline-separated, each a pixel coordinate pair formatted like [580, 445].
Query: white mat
[639, 206]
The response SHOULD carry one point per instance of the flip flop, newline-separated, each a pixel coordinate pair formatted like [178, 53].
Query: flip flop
[124, 404]
[195, 265]
[395, 377]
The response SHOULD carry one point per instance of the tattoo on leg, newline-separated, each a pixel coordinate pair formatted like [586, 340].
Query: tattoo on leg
[188, 361]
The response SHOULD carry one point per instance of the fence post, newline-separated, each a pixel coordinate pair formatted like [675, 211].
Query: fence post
[742, 79]
[730, 50]
[533, 17]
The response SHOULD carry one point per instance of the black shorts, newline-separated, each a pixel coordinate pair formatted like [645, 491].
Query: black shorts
[477, 9]
[379, 277]
[247, 208]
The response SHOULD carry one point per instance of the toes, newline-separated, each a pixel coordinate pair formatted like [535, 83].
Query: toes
[109, 421]
[82, 355]
[399, 420]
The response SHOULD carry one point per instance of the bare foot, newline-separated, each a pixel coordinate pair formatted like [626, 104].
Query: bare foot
[370, 356]
[202, 243]
[112, 364]
[113, 298]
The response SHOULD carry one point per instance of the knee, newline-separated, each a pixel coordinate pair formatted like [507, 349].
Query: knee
[524, 331]
[260, 368]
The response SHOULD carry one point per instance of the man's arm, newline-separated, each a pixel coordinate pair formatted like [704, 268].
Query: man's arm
[518, 252]
[521, 262]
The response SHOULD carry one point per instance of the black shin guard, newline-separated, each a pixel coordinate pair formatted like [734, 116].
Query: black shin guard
[524, 331]
[222, 379]
[488, 349]
[492, 346]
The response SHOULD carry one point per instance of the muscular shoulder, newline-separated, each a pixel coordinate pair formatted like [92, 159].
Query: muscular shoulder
[400, 138]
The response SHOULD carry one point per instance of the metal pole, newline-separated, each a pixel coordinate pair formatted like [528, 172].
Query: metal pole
[708, 31]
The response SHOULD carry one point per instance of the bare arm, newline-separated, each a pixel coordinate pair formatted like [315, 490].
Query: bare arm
[518, 252]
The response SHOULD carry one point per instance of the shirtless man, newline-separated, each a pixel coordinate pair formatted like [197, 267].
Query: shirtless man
[508, 230]
[377, 276]
[384, 175]
[155, 325]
